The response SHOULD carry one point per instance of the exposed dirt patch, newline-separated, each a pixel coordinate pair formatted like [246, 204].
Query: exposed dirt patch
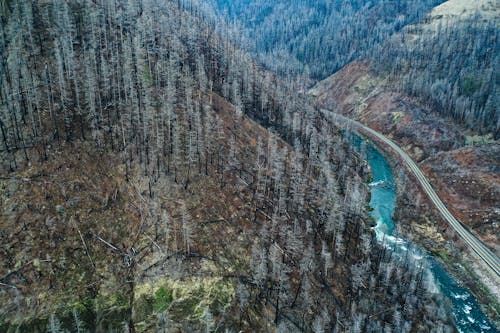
[468, 178]
[357, 93]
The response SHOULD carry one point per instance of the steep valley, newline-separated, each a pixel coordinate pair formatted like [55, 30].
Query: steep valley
[162, 169]
[460, 161]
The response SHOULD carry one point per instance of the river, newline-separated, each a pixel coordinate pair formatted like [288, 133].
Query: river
[468, 317]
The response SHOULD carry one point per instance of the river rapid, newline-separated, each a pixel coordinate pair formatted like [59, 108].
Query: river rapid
[468, 317]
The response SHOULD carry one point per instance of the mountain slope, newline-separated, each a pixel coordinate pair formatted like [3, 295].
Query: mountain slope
[458, 80]
[312, 39]
[154, 178]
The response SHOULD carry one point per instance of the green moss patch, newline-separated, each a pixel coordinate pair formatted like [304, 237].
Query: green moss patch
[184, 300]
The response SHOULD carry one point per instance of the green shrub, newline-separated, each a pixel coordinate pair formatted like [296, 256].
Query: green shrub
[163, 299]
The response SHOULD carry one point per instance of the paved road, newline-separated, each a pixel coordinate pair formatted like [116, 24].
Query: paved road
[487, 256]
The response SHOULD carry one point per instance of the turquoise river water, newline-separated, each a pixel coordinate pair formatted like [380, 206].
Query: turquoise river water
[468, 317]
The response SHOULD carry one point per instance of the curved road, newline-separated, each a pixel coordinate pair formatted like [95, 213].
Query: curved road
[487, 256]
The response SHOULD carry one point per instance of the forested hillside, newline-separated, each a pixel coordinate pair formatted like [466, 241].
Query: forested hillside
[452, 65]
[155, 178]
[317, 38]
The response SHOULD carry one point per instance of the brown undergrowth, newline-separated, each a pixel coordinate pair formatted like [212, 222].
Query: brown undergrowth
[86, 230]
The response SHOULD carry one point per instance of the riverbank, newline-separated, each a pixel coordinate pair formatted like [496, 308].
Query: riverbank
[420, 223]
[466, 312]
